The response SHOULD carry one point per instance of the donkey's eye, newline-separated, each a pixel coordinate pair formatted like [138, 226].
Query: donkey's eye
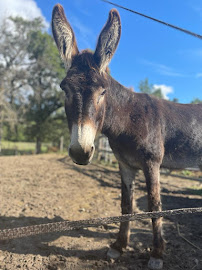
[103, 93]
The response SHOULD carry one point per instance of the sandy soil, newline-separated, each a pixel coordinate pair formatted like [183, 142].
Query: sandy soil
[48, 188]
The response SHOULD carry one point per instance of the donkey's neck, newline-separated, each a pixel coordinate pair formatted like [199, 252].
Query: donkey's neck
[119, 103]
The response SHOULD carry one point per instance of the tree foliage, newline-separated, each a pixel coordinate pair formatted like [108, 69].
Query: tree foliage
[30, 73]
[44, 77]
[196, 101]
[146, 87]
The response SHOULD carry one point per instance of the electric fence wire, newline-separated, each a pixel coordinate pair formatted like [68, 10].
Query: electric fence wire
[156, 20]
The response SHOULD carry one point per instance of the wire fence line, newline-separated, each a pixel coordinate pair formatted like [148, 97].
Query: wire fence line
[156, 20]
[72, 225]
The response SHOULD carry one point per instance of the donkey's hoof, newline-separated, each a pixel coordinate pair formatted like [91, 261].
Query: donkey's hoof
[155, 263]
[113, 254]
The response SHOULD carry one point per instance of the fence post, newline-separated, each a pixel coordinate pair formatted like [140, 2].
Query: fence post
[61, 143]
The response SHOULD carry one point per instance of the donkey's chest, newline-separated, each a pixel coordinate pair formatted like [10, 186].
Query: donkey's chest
[128, 158]
[130, 153]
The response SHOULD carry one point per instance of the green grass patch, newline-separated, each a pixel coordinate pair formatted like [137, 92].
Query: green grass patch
[18, 145]
[13, 148]
[186, 173]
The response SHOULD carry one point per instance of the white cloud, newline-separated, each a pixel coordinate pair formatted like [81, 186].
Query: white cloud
[198, 75]
[165, 89]
[26, 9]
[163, 69]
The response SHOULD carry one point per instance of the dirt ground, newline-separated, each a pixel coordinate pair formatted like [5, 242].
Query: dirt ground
[49, 188]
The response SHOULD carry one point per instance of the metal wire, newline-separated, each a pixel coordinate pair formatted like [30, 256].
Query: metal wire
[156, 20]
[72, 225]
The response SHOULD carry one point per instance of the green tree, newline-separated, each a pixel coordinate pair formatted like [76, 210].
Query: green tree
[196, 101]
[45, 76]
[14, 40]
[30, 73]
[13, 60]
[56, 127]
[176, 100]
[146, 87]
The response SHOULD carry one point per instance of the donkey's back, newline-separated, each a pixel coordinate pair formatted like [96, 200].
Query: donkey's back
[175, 129]
[181, 128]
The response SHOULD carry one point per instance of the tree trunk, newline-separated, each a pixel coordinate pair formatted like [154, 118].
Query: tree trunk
[1, 127]
[38, 145]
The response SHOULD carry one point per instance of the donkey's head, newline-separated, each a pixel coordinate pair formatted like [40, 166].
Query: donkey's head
[86, 83]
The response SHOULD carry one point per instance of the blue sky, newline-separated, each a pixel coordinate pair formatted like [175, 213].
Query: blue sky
[147, 49]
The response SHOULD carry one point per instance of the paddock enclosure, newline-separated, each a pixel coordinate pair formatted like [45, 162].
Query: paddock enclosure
[47, 188]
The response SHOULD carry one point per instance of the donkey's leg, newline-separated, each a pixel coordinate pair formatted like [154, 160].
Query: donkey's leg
[152, 176]
[127, 184]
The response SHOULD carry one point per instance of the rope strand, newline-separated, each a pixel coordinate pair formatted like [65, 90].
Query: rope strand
[72, 225]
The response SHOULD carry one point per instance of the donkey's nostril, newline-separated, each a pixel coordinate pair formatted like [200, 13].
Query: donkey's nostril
[92, 149]
[79, 156]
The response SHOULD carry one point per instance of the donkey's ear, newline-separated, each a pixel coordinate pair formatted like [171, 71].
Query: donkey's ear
[64, 36]
[108, 40]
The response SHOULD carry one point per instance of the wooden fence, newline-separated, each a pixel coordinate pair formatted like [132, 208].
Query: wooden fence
[104, 151]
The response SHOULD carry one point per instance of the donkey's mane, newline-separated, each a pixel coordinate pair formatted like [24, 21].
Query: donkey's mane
[85, 60]
[84, 70]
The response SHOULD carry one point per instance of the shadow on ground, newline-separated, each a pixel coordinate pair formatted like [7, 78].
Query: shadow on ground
[111, 177]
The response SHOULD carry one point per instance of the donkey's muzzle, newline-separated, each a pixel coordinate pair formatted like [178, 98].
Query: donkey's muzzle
[81, 156]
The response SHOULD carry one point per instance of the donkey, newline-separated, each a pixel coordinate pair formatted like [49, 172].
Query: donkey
[144, 132]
